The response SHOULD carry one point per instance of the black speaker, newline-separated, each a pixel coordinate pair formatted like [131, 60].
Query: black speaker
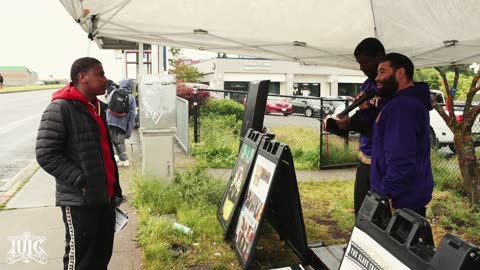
[255, 107]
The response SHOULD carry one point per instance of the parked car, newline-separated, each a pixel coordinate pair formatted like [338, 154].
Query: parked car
[334, 102]
[275, 105]
[310, 107]
[278, 105]
[205, 87]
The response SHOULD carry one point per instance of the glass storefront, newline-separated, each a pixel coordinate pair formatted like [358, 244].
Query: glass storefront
[349, 89]
[306, 89]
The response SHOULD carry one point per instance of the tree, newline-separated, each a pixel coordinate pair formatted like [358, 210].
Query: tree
[184, 73]
[462, 131]
[428, 75]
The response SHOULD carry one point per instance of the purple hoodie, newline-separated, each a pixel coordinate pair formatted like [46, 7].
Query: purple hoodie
[401, 168]
[368, 116]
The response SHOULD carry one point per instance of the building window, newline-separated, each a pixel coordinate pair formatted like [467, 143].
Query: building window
[274, 88]
[236, 86]
[306, 89]
[349, 89]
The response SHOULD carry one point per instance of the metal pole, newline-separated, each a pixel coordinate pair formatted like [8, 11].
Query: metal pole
[140, 59]
[195, 116]
[321, 133]
[164, 58]
[348, 134]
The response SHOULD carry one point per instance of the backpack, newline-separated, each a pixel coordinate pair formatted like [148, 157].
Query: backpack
[119, 102]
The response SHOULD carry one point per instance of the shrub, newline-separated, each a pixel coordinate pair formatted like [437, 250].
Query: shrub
[217, 107]
[186, 92]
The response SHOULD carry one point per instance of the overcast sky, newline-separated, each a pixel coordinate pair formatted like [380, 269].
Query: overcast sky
[41, 35]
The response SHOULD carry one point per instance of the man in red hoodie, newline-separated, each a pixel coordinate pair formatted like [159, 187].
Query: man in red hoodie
[74, 146]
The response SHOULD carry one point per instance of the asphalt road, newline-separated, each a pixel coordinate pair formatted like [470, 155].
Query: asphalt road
[279, 120]
[19, 120]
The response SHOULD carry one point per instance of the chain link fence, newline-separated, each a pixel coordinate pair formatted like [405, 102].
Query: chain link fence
[294, 120]
[297, 121]
[444, 159]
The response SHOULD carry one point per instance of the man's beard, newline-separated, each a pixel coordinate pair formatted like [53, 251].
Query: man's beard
[390, 86]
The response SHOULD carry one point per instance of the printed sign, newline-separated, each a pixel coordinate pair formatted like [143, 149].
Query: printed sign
[253, 206]
[235, 186]
[364, 253]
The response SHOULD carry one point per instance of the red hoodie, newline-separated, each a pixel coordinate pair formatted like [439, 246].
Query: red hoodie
[69, 92]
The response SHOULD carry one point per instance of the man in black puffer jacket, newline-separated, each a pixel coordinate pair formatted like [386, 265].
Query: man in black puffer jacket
[74, 146]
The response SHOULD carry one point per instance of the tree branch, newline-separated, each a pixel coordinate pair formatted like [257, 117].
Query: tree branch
[469, 118]
[449, 100]
[443, 114]
[471, 93]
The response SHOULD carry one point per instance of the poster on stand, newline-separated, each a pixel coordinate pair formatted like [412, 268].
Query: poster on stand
[236, 184]
[253, 206]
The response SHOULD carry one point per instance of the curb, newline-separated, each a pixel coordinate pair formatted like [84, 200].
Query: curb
[9, 188]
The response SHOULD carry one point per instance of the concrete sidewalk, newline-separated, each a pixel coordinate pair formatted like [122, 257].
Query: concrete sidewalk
[31, 214]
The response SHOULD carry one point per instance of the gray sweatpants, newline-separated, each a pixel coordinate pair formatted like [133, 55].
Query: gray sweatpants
[118, 139]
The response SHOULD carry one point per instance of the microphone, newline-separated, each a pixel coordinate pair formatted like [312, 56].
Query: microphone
[369, 93]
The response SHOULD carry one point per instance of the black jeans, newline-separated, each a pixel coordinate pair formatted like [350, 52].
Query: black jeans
[362, 185]
[89, 237]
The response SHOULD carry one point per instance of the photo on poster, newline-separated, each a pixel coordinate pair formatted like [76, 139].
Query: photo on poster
[253, 206]
[236, 183]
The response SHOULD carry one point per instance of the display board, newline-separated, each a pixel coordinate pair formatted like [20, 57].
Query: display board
[402, 241]
[239, 177]
[250, 218]
[255, 107]
[271, 195]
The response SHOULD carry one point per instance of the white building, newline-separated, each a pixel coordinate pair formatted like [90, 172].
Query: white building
[287, 78]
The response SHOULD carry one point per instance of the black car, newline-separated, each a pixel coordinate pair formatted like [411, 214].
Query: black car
[310, 107]
[333, 102]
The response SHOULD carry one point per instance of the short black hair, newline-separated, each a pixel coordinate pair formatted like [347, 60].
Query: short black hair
[82, 65]
[398, 60]
[370, 47]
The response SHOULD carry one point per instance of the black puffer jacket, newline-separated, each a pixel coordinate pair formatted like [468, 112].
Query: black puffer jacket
[69, 148]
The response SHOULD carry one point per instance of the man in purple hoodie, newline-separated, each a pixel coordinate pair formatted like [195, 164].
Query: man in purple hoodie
[401, 168]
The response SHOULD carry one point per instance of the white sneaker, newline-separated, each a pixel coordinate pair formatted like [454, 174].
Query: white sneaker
[123, 163]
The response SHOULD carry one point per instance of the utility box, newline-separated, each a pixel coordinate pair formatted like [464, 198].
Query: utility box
[157, 148]
[158, 123]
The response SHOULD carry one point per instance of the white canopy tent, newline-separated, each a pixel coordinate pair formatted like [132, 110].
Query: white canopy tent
[323, 32]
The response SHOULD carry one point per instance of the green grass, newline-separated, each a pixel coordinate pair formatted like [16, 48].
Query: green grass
[30, 88]
[449, 212]
[327, 209]
[193, 201]
[219, 143]
[304, 144]
[446, 172]
[338, 151]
